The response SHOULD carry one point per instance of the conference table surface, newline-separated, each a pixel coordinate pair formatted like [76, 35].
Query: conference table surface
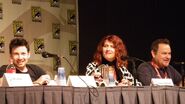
[86, 95]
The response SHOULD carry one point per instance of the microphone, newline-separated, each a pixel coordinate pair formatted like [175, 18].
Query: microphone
[179, 62]
[125, 58]
[131, 58]
[46, 54]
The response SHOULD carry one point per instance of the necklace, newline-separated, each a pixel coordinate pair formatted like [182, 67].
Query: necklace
[157, 71]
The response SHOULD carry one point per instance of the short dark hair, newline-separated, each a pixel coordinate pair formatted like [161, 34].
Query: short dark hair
[155, 44]
[16, 42]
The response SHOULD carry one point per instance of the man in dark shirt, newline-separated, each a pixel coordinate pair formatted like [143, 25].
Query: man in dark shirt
[159, 66]
[19, 55]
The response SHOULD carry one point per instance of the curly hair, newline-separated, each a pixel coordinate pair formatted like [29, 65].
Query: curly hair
[120, 50]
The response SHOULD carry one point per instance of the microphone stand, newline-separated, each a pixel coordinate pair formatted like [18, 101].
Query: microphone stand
[182, 71]
[181, 64]
[133, 61]
[134, 71]
[58, 62]
[72, 71]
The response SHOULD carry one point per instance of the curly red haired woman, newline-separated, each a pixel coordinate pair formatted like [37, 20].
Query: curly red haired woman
[108, 54]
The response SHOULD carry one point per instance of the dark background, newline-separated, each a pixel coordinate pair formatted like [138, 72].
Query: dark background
[137, 22]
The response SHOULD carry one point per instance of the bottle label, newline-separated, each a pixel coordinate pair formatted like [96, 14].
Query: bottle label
[10, 69]
[61, 77]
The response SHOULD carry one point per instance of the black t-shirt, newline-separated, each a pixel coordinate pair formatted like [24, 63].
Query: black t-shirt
[33, 70]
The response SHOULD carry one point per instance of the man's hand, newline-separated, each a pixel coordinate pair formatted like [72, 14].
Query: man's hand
[43, 80]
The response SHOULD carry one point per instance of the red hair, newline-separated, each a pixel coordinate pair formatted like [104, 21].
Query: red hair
[120, 50]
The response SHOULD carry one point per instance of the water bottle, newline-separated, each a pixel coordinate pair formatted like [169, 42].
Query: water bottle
[61, 76]
[111, 80]
[105, 74]
[10, 69]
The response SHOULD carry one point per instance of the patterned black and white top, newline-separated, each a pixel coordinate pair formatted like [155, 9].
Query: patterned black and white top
[122, 73]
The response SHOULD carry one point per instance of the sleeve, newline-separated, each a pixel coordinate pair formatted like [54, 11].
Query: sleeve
[176, 76]
[144, 74]
[39, 70]
[36, 71]
[127, 75]
[91, 67]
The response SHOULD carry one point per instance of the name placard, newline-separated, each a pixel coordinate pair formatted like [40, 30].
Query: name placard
[81, 81]
[161, 82]
[15, 80]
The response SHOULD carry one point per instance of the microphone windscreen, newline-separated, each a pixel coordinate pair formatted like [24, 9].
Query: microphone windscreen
[45, 54]
[124, 58]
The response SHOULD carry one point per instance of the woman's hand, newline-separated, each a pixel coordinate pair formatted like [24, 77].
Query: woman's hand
[97, 76]
[125, 82]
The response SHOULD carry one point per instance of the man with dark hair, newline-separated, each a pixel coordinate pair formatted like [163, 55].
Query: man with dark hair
[159, 66]
[19, 55]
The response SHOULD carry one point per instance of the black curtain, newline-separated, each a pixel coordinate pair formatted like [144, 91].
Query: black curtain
[137, 22]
